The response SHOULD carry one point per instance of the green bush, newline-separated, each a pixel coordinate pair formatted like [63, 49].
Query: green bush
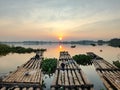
[4, 49]
[49, 65]
[83, 59]
[116, 63]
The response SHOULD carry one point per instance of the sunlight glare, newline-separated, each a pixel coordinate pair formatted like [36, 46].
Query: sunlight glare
[60, 47]
[60, 38]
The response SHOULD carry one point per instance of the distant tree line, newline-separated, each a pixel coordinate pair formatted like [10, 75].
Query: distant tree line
[114, 42]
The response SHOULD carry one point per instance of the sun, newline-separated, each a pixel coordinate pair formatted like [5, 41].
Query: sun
[60, 38]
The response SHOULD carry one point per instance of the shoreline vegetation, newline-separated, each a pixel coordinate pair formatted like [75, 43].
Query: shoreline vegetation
[6, 49]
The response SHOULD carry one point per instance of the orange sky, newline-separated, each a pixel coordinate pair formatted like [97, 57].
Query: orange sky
[49, 20]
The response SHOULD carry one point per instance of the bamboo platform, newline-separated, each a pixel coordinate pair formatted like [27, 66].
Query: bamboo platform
[110, 74]
[72, 78]
[26, 77]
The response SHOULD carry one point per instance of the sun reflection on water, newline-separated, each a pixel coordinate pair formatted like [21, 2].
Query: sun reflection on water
[61, 48]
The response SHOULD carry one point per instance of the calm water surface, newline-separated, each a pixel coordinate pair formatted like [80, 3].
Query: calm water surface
[11, 61]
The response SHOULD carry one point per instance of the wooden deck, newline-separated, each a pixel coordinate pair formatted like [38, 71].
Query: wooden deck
[110, 74]
[26, 77]
[72, 78]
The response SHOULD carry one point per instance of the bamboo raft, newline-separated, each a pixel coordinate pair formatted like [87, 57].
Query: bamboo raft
[72, 78]
[26, 77]
[110, 74]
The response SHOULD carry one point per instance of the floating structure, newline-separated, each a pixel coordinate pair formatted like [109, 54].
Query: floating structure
[26, 77]
[73, 46]
[109, 74]
[69, 77]
[93, 44]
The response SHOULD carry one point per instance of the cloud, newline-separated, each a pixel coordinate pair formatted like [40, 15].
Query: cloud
[53, 17]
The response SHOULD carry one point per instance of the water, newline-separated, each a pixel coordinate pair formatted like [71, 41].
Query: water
[10, 62]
